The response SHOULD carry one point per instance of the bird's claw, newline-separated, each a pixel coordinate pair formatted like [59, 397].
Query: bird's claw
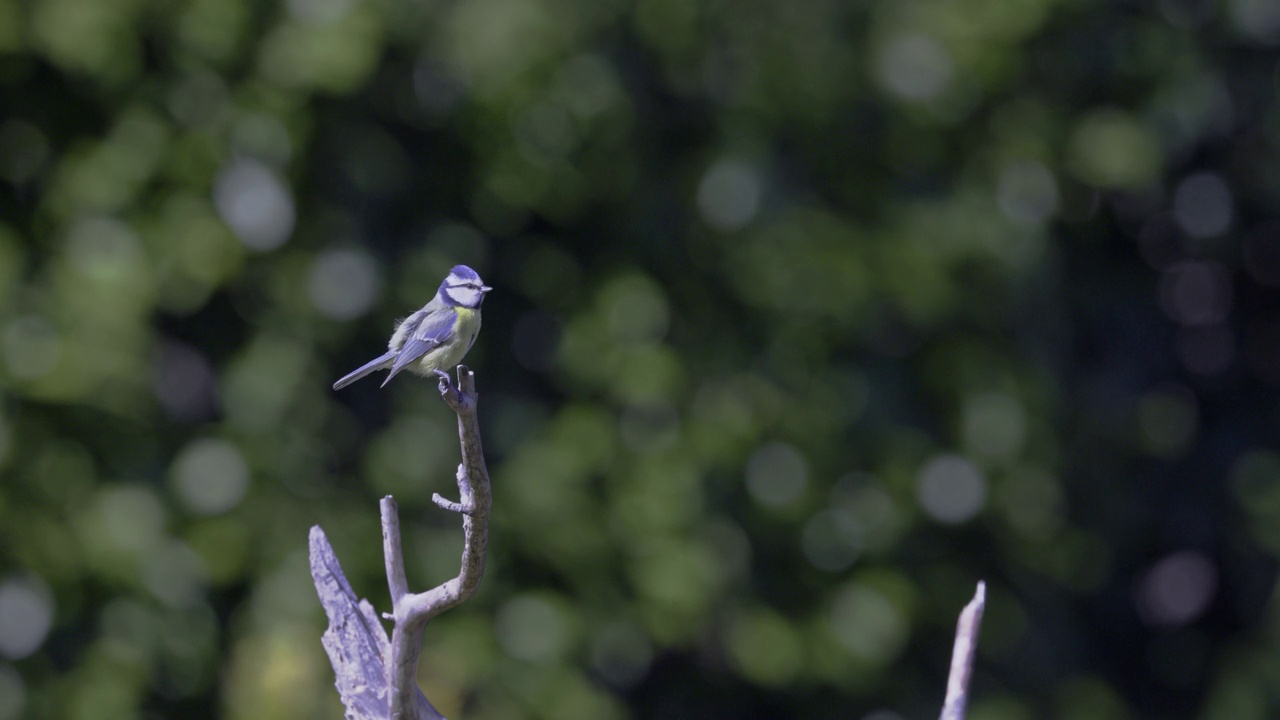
[449, 392]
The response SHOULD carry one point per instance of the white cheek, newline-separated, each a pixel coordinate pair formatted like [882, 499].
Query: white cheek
[466, 296]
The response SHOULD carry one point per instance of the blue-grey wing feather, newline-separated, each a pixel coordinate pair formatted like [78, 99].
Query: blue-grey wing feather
[433, 330]
[376, 364]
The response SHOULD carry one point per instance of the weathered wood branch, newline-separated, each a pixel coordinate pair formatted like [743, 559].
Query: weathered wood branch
[967, 629]
[376, 677]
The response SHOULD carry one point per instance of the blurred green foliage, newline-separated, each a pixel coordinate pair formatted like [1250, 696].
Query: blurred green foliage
[808, 316]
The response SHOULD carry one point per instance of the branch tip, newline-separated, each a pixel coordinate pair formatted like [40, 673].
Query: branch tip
[451, 506]
[967, 629]
[392, 552]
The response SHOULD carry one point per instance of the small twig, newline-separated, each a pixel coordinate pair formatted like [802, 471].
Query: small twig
[967, 629]
[447, 504]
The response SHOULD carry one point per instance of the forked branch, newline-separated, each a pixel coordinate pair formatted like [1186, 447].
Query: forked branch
[376, 677]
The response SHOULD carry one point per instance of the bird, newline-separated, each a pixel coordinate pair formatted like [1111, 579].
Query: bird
[435, 337]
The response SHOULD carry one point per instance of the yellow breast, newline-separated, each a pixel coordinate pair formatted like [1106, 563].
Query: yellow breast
[468, 325]
[451, 352]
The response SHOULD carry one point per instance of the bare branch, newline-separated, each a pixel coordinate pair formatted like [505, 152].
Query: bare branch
[446, 504]
[412, 611]
[377, 678]
[406, 636]
[967, 630]
[392, 550]
[356, 643]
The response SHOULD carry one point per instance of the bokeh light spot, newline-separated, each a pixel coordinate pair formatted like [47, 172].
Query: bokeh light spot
[545, 132]
[403, 457]
[106, 250]
[32, 347]
[175, 574]
[183, 382]
[437, 89]
[1196, 293]
[873, 509]
[951, 489]
[261, 136]
[915, 67]
[273, 673]
[1202, 205]
[344, 284]
[1256, 478]
[831, 540]
[531, 629]
[257, 385]
[776, 474]
[588, 84]
[1110, 148]
[1256, 19]
[1032, 502]
[649, 428]
[255, 204]
[1027, 192]
[210, 476]
[636, 309]
[26, 614]
[621, 653]
[764, 647]
[729, 195]
[199, 100]
[867, 624]
[1177, 589]
[132, 516]
[994, 425]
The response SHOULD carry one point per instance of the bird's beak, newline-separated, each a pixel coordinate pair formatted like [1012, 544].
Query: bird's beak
[485, 288]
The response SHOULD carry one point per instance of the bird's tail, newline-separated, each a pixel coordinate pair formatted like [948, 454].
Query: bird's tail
[377, 363]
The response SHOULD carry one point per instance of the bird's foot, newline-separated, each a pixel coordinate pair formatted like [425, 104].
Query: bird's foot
[449, 391]
[453, 394]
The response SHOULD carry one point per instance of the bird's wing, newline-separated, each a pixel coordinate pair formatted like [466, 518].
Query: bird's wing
[432, 331]
[375, 364]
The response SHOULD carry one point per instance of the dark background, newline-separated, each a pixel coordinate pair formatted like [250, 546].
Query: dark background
[808, 316]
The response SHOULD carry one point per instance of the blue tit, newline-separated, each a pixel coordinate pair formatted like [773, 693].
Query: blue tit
[435, 337]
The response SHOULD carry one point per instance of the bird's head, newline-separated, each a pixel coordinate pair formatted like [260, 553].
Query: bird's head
[463, 288]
